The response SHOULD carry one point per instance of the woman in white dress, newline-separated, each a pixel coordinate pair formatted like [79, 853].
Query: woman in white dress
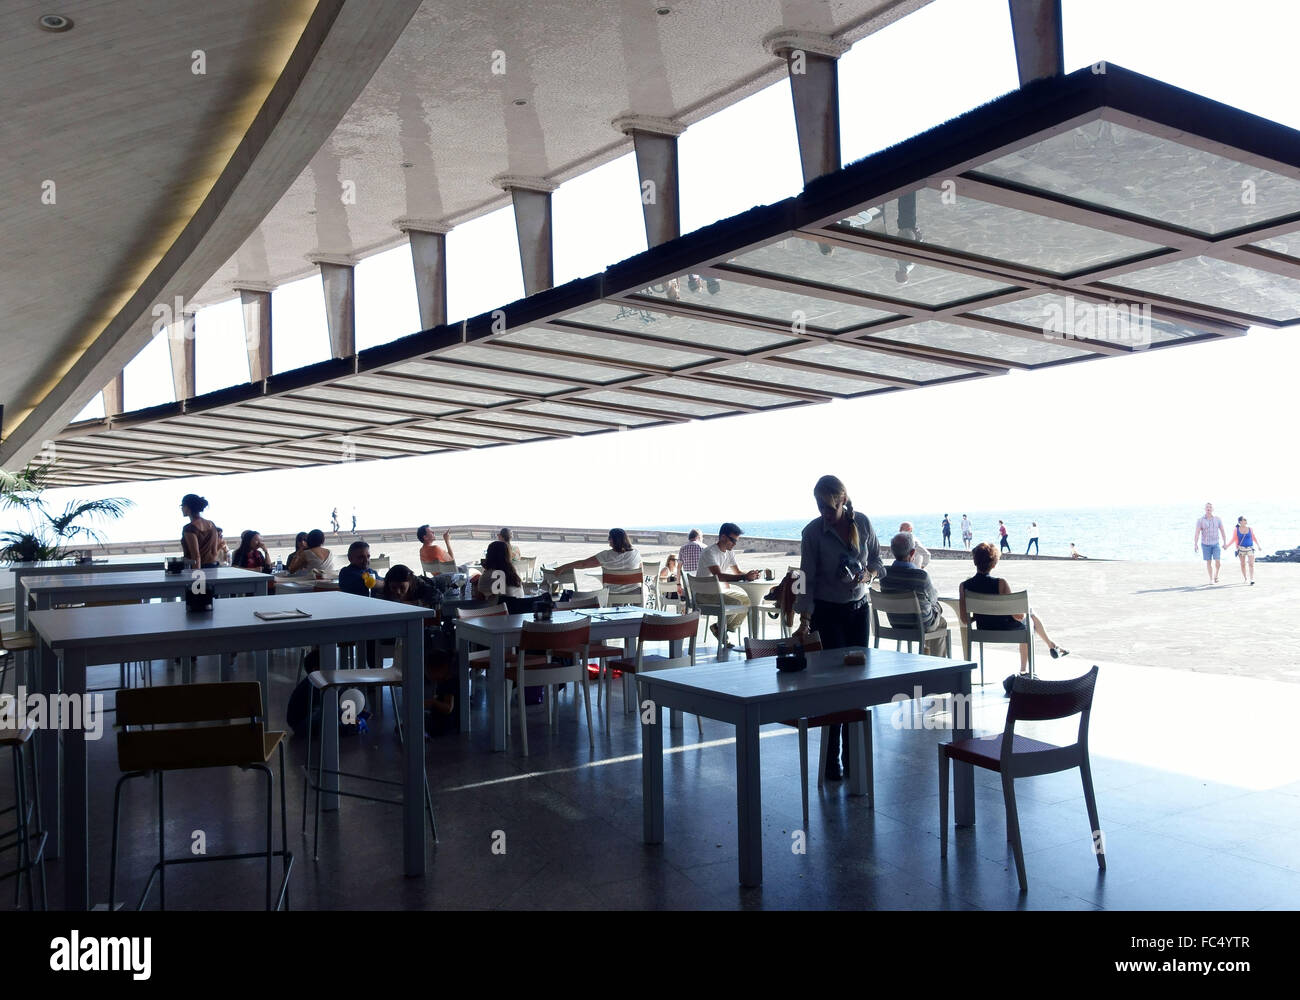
[620, 557]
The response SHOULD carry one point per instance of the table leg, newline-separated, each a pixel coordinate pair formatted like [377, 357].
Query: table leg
[497, 693]
[674, 715]
[963, 789]
[76, 869]
[749, 800]
[329, 731]
[413, 776]
[46, 682]
[652, 768]
[462, 656]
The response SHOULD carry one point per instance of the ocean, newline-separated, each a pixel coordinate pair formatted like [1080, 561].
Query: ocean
[1150, 533]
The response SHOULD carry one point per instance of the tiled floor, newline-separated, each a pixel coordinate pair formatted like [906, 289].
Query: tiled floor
[1199, 804]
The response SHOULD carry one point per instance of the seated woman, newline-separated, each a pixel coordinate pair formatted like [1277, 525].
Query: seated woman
[498, 578]
[667, 575]
[294, 562]
[620, 557]
[315, 560]
[441, 682]
[985, 557]
[251, 553]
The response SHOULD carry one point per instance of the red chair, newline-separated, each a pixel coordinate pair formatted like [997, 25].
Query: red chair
[655, 628]
[1021, 757]
[543, 640]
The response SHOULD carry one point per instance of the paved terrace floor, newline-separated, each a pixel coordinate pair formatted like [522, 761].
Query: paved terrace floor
[1197, 783]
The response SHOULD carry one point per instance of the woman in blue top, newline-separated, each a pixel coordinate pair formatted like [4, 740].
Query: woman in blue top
[1247, 542]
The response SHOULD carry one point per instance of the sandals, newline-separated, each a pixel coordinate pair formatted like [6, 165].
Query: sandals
[1059, 651]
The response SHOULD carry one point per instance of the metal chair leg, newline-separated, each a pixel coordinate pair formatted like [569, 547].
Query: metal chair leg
[943, 801]
[1013, 829]
[162, 840]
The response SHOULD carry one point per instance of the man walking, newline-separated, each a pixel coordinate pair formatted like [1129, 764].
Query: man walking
[1210, 534]
[1033, 539]
[947, 532]
[966, 533]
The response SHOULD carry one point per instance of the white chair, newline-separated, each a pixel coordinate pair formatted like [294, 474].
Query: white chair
[381, 562]
[1001, 604]
[710, 603]
[655, 628]
[610, 579]
[650, 569]
[530, 670]
[526, 567]
[437, 568]
[904, 604]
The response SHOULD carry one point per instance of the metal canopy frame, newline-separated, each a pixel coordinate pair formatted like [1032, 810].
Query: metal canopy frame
[648, 342]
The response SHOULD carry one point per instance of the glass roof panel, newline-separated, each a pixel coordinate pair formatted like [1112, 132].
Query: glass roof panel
[815, 381]
[506, 381]
[1095, 320]
[981, 343]
[316, 409]
[524, 429]
[1222, 283]
[766, 303]
[928, 216]
[713, 391]
[536, 364]
[415, 391]
[873, 274]
[685, 407]
[1288, 243]
[1118, 167]
[871, 362]
[643, 322]
[316, 422]
[515, 432]
[587, 413]
[347, 399]
[595, 346]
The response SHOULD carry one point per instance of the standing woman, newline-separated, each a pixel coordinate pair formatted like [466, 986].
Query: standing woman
[839, 556]
[199, 538]
[1247, 542]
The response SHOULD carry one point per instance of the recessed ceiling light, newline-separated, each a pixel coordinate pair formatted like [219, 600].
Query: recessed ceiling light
[311, 211]
[663, 11]
[520, 102]
[407, 164]
[55, 22]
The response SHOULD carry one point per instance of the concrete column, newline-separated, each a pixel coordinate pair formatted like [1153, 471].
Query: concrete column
[338, 281]
[256, 300]
[1039, 39]
[814, 86]
[532, 201]
[655, 142]
[180, 345]
[113, 393]
[429, 258]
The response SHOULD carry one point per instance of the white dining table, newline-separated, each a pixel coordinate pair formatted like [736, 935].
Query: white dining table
[87, 637]
[501, 632]
[22, 570]
[749, 694]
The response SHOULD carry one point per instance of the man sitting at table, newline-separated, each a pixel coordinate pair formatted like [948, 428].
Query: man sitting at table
[352, 576]
[905, 578]
[718, 561]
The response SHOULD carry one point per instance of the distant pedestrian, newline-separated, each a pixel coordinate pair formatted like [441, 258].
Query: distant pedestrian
[1002, 533]
[334, 520]
[947, 532]
[354, 520]
[1246, 542]
[966, 533]
[1075, 553]
[1208, 534]
[1033, 539]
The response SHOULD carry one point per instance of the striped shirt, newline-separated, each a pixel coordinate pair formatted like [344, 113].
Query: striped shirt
[689, 557]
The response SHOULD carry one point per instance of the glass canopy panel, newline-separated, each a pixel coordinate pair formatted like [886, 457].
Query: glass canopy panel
[712, 391]
[1117, 167]
[1288, 244]
[814, 381]
[747, 299]
[981, 343]
[996, 232]
[197, 428]
[505, 381]
[593, 345]
[345, 400]
[684, 407]
[513, 424]
[1223, 284]
[515, 432]
[316, 422]
[410, 391]
[536, 364]
[587, 413]
[870, 362]
[628, 318]
[873, 274]
[317, 408]
[1095, 320]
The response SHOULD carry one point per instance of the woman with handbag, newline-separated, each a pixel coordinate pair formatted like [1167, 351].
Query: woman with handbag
[1247, 543]
[838, 558]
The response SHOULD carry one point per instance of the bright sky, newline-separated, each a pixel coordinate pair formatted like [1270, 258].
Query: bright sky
[1168, 426]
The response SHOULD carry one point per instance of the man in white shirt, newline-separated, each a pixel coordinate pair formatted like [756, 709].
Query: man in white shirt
[718, 562]
[1209, 533]
[921, 557]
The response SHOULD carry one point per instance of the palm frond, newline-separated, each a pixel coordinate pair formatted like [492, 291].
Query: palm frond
[65, 526]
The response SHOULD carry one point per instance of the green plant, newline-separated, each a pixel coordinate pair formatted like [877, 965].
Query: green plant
[48, 532]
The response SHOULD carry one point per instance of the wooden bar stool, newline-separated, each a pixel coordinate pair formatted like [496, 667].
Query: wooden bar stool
[26, 807]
